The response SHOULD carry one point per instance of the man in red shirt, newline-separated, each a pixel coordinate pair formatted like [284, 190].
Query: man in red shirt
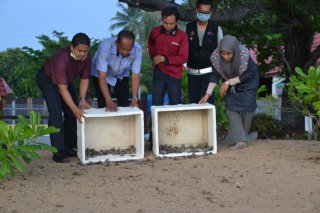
[55, 81]
[168, 49]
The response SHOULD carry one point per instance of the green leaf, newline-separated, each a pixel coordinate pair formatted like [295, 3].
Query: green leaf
[26, 159]
[4, 129]
[17, 131]
[277, 35]
[28, 133]
[22, 120]
[33, 119]
[304, 88]
[301, 73]
[44, 146]
[34, 155]
[29, 148]
[316, 105]
[10, 136]
[263, 88]
[48, 130]
[5, 167]
[17, 163]
[317, 74]
[309, 98]
[269, 37]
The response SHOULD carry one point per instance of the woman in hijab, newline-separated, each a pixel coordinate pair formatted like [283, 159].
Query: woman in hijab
[232, 63]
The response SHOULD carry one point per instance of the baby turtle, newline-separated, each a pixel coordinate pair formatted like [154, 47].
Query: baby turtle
[131, 150]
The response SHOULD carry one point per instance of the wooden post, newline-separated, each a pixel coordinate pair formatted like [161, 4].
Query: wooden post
[29, 105]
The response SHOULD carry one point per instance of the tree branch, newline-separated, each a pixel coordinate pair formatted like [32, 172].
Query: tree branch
[313, 60]
[232, 14]
[288, 71]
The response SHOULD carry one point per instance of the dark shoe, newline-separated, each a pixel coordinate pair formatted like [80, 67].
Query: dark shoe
[239, 145]
[60, 157]
[69, 152]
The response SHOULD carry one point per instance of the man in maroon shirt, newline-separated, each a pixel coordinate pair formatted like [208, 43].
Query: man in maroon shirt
[55, 81]
[168, 49]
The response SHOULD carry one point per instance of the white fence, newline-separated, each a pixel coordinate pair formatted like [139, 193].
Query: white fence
[12, 108]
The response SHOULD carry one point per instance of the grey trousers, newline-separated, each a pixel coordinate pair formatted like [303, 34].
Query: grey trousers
[238, 126]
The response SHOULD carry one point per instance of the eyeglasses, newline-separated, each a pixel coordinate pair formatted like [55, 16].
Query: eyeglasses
[205, 12]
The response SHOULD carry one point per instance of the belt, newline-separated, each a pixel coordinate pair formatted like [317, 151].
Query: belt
[199, 71]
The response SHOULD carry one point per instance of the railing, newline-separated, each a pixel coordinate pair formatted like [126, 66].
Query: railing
[12, 108]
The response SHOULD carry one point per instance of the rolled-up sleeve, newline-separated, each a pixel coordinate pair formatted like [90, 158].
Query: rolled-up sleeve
[215, 76]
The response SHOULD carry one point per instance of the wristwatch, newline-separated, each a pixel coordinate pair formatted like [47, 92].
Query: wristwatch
[81, 97]
[134, 98]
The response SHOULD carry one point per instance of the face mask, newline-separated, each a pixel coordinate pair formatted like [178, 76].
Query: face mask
[203, 17]
[75, 57]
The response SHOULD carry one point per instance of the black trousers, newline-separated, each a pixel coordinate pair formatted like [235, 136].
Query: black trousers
[197, 87]
[60, 115]
[121, 90]
[162, 84]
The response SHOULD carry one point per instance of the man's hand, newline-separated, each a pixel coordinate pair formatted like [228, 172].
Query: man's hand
[111, 106]
[223, 89]
[204, 99]
[84, 104]
[158, 59]
[78, 113]
[134, 103]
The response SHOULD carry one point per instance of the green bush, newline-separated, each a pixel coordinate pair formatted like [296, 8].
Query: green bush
[18, 143]
[267, 127]
[184, 87]
[304, 93]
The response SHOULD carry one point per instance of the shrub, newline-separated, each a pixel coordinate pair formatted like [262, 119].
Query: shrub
[267, 127]
[18, 143]
[304, 92]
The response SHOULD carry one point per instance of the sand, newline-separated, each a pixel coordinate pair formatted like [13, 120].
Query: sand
[268, 176]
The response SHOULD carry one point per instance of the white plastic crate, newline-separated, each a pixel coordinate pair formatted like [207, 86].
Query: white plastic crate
[101, 130]
[177, 125]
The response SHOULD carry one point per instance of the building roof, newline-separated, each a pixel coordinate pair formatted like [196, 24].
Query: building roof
[5, 90]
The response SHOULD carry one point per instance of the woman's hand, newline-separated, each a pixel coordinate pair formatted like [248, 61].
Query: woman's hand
[224, 88]
[204, 99]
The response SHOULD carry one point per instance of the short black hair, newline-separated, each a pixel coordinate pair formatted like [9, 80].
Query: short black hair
[205, 2]
[170, 11]
[125, 34]
[80, 38]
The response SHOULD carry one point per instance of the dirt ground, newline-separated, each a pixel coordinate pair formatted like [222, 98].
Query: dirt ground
[268, 176]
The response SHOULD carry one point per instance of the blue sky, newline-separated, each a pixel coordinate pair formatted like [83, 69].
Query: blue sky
[22, 20]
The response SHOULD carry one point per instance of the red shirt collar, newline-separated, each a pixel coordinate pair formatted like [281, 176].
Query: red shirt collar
[173, 32]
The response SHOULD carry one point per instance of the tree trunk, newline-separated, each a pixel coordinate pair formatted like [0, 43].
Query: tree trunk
[297, 53]
[291, 119]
